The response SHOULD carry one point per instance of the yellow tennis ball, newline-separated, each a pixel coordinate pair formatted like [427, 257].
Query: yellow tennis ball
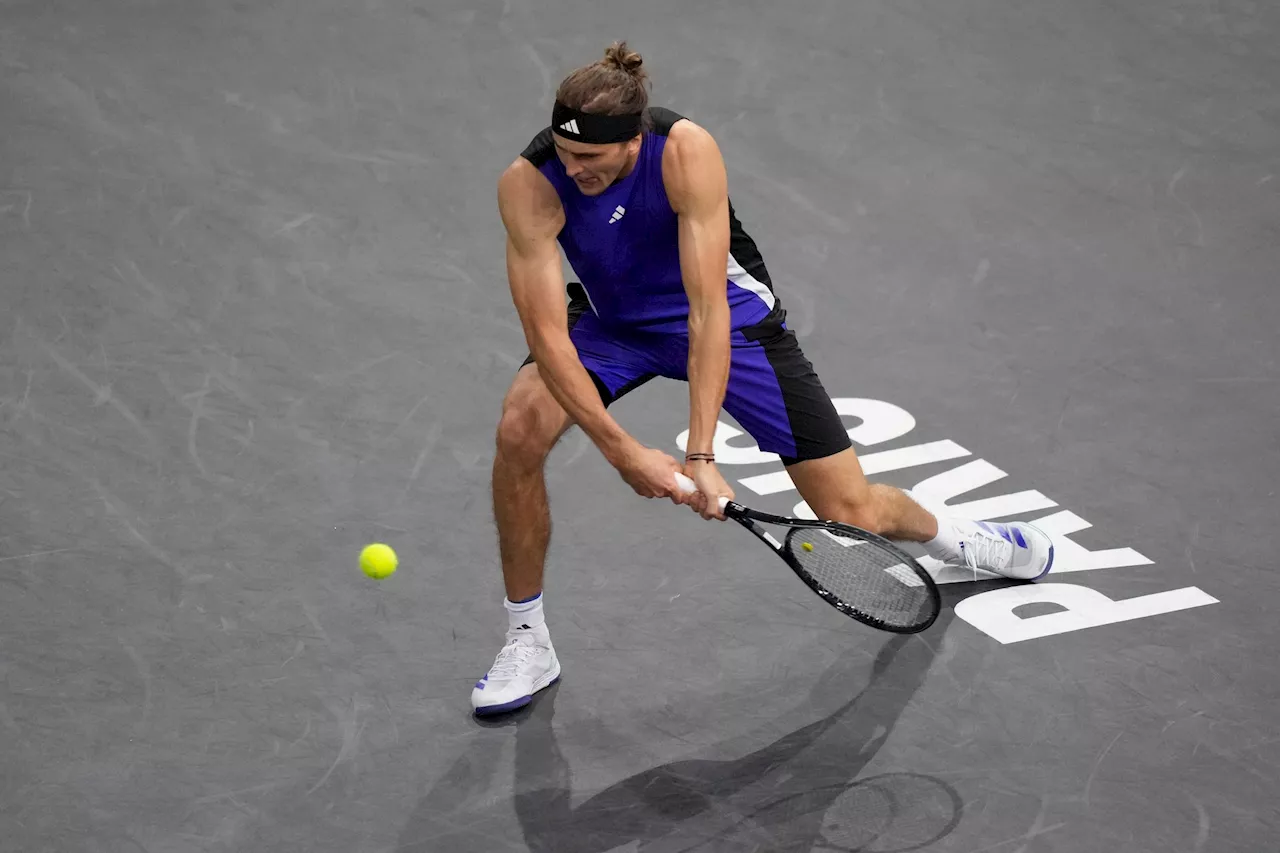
[808, 546]
[378, 560]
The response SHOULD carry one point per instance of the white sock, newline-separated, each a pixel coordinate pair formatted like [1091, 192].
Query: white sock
[524, 615]
[947, 543]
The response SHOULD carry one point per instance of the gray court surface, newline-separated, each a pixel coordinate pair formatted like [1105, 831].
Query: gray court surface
[254, 315]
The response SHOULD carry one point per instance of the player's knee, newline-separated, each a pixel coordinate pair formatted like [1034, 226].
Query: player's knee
[531, 423]
[858, 510]
[865, 516]
[523, 435]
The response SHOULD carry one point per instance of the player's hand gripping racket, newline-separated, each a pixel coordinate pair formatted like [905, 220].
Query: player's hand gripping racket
[862, 575]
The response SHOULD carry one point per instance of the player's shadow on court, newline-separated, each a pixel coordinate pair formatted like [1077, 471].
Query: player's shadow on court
[799, 793]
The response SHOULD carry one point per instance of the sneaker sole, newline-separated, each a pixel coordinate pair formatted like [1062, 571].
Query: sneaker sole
[516, 704]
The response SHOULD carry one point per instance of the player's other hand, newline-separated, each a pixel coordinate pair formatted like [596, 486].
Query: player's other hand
[651, 473]
[711, 487]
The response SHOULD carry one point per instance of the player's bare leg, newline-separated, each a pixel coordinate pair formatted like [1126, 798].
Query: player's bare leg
[836, 489]
[532, 422]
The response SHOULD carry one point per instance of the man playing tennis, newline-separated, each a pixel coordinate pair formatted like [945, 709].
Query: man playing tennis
[671, 286]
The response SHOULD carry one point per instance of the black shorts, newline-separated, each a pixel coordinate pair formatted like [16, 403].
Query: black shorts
[772, 392]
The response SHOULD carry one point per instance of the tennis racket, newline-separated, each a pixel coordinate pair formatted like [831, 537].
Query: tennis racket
[864, 576]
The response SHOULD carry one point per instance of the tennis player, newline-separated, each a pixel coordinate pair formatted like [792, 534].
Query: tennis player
[671, 286]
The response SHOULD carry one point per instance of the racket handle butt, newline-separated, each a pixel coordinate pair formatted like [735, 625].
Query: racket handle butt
[687, 486]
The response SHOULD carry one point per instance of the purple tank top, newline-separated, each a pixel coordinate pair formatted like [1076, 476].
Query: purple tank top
[624, 246]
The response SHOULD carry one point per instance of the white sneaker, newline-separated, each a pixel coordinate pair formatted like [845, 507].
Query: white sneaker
[1018, 550]
[526, 664]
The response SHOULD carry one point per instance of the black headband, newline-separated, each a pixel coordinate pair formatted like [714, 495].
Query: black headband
[592, 128]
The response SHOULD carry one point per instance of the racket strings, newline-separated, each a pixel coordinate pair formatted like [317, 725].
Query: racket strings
[863, 575]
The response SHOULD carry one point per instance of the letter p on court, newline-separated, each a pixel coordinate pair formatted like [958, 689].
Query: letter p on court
[993, 612]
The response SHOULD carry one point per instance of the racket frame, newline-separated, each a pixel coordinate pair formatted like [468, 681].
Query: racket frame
[751, 519]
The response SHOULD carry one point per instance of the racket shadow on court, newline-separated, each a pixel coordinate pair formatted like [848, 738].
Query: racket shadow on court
[802, 792]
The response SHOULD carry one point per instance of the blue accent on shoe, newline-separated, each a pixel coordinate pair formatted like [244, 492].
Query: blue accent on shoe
[513, 705]
[504, 707]
[998, 529]
[1017, 535]
[1047, 565]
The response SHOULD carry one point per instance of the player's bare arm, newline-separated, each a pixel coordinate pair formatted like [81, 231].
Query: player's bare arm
[533, 217]
[697, 189]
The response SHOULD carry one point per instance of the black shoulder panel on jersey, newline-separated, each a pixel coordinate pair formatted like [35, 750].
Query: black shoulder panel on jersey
[540, 149]
[663, 120]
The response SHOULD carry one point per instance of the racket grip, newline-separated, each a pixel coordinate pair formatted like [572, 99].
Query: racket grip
[687, 486]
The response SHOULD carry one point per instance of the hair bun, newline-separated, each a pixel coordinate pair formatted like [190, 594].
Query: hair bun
[600, 89]
[623, 58]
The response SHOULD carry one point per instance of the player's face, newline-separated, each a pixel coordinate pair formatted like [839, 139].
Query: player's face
[594, 167]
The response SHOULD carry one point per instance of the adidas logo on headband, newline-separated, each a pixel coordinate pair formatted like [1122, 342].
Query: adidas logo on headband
[571, 125]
